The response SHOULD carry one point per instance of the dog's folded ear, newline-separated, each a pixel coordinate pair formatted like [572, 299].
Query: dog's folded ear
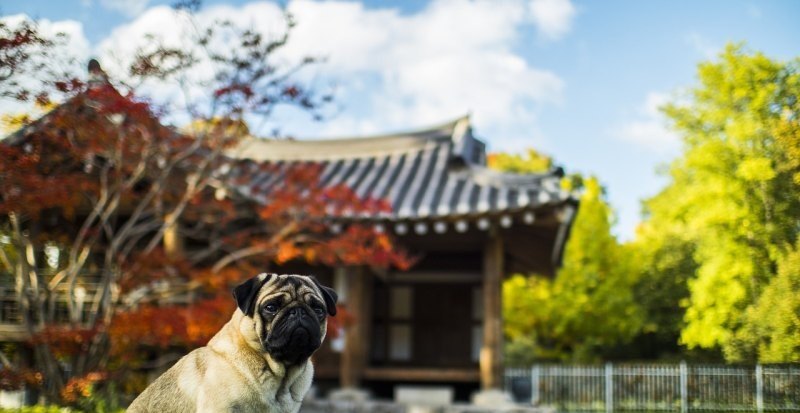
[328, 294]
[247, 292]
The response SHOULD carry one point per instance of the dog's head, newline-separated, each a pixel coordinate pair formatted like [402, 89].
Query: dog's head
[289, 314]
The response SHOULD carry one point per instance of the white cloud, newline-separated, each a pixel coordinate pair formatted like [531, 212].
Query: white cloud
[75, 44]
[553, 18]
[754, 11]
[70, 56]
[453, 57]
[129, 8]
[162, 25]
[648, 129]
[158, 25]
[702, 45]
[431, 66]
[394, 71]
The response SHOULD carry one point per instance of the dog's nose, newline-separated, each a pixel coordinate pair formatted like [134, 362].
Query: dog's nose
[297, 312]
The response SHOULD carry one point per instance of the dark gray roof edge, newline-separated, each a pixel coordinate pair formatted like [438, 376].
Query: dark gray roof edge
[564, 230]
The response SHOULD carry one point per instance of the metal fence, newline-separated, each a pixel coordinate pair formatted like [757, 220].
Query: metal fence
[658, 387]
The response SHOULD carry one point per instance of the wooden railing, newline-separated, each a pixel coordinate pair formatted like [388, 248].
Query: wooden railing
[658, 387]
[11, 310]
[57, 307]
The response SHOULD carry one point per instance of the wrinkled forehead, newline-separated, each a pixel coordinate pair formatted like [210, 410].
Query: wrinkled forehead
[290, 286]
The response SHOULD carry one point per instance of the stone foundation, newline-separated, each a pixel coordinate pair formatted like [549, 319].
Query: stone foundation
[372, 406]
[341, 406]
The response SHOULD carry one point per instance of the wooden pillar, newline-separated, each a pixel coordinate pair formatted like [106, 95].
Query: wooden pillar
[356, 345]
[491, 360]
[173, 240]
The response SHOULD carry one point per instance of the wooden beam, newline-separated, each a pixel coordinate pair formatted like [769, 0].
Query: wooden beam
[422, 374]
[14, 332]
[356, 345]
[491, 357]
[435, 276]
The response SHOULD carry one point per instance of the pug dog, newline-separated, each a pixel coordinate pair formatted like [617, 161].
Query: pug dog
[259, 361]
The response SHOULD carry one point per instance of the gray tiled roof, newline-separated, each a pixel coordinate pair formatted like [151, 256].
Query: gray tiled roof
[435, 173]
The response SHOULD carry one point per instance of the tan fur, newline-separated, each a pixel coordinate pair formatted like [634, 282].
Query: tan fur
[234, 373]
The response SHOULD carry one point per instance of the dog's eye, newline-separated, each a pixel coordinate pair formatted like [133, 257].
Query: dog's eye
[271, 308]
[318, 310]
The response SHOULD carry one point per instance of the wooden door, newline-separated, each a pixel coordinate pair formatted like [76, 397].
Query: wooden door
[442, 325]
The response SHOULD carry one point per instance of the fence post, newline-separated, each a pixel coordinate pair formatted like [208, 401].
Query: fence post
[609, 388]
[535, 371]
[684, 387]
[759, 388]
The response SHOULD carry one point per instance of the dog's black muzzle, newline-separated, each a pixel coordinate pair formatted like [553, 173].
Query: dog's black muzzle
[294, 337]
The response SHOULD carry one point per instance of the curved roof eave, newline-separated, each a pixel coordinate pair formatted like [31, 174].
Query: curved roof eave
[437, 173]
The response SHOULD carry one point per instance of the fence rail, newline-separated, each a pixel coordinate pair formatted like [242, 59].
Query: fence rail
[658, 387]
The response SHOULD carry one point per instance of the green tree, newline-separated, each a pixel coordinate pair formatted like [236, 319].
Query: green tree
[528, 320]
[589, 307]
[773, 323]
[663, 260]
[532, 161]
[595, 285]
[732, 197]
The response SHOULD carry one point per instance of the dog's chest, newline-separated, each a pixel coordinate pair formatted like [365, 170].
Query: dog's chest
[280, 405]
[268, 402]
[277, 396]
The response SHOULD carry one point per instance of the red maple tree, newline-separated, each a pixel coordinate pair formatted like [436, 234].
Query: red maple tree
[120, 233]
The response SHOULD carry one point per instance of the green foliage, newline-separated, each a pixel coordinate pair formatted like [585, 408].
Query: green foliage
[588, 307]
[731, 210]
[532, 161]
[528, 320]
[773, 323]
[56, 409]
[594, 286]
[715, 269]
[105, 399]
[663, 262]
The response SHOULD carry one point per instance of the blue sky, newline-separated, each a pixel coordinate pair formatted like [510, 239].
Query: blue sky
[578, 80]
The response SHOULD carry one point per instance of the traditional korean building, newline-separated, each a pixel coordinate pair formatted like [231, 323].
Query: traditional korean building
[441, 321]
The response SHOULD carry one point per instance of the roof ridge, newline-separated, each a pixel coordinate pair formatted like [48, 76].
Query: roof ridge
[439, 127]
[260, 149]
